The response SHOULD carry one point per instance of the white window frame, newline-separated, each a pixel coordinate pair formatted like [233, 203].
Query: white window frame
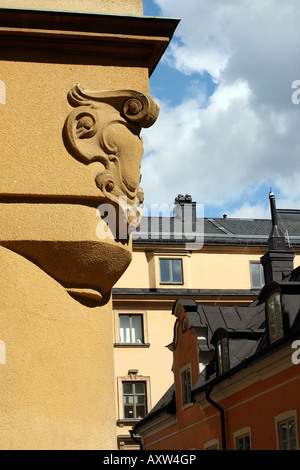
[154, 269]
[287, 415]
[170, 259]
[131, 377]
[246, 431]
[144, 314]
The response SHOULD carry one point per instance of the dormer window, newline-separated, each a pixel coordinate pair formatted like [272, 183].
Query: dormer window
[274, 313]
[222, 355]
[221, 343]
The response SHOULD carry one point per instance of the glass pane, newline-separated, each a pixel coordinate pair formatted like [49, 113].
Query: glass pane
[124, 328]
[246, 443]
[128, 411]
[128, 400]
[137, 328]
[225, 354]
[164, 270]
[278, 314]
[176, 270]
[127, 388]
[283, 436]
[140, 411]
[140, 399]
[255, 275]
[271, 316]
[239, 443]
[140, 387]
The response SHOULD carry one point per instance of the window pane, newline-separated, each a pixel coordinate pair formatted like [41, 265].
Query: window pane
[128, 411]
[176, 270]
[124, 329]
[137, 329]
[186, 386]
[164, 270]
[247, 443]
[140, 411]
[255, 275]
[139, 387]
[287, 435]
[275, 318]
[243, 442]
[127, 387]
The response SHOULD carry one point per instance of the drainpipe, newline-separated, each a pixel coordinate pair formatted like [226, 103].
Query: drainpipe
[222, 415]
[131, 432]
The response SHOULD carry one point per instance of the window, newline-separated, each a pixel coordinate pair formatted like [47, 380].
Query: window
[286, 430]
[287, 434]
[134, 400]
[257, 274]
[171, 271]
[131, 328]
[274, 318]
[212, 445]
[186, 386]
[243, 442]
[223, 355]
[242, 439]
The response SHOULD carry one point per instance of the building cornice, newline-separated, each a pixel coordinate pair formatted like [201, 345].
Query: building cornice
[141, 39]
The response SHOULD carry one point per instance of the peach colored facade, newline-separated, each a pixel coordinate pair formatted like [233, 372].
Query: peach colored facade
[223, 275]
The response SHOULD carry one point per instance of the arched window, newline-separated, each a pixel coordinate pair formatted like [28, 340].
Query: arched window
[274, 314]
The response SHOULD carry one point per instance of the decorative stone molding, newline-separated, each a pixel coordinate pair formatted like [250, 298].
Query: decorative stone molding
[105, 126]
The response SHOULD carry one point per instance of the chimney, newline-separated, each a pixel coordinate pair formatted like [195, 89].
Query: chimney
[279, 261]
[185, 210]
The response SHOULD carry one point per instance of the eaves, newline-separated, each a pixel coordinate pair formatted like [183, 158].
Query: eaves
[141, 40]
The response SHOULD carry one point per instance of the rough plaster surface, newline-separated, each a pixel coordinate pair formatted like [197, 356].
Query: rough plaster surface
[124, 7]
[56, 386]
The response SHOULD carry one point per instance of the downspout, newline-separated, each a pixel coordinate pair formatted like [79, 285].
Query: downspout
[222, 415]
[131, 432]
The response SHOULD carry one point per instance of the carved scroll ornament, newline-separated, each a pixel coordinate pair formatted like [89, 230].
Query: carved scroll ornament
[105, 126]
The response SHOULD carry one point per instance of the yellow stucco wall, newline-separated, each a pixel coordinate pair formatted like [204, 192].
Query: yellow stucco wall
[209, 268]
[36, 108]
[126, 7]
[57, 387]
[58, 362]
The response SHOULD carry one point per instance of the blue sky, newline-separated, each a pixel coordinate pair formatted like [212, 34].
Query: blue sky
[228, 130]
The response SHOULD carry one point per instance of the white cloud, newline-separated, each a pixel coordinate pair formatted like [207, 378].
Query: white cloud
[249, 130]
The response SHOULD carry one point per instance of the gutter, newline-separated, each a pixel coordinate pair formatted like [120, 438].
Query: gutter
[131, 432]
[208, 391]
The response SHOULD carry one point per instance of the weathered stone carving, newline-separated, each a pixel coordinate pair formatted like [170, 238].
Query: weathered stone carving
[105, 126]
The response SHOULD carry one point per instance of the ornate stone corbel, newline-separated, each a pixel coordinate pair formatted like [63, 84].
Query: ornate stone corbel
[105, 126]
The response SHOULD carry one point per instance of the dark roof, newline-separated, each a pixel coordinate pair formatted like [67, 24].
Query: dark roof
[246, 329]
[219, 231]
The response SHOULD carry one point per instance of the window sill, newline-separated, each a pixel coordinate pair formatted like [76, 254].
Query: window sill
[131, 345]
[171, 283]
[127, 421]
